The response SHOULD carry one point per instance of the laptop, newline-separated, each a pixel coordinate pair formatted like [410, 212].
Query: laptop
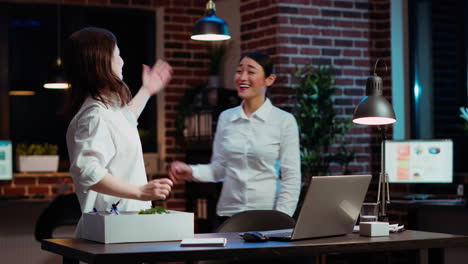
[331, 208]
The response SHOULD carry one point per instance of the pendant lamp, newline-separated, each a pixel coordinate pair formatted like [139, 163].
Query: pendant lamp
[56, 78]
[210, 27]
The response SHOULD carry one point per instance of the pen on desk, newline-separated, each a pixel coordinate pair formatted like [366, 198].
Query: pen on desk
[114, 207]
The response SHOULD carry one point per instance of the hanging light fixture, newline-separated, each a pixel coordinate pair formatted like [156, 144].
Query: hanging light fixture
[22, 88]
[210, 27]
[56, 79]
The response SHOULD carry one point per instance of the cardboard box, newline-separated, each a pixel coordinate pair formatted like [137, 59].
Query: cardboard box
[132, 227]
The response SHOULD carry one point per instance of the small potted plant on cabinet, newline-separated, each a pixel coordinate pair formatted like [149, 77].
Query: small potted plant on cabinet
[37, 158]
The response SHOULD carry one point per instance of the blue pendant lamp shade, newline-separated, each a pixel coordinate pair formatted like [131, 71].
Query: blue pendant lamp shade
[210, 27]
[374, 109]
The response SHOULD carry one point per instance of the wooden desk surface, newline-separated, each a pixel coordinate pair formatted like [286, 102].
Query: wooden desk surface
[93, 252]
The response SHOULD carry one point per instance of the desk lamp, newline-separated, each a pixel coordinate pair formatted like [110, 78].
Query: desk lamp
[375, 110]
[210, 27]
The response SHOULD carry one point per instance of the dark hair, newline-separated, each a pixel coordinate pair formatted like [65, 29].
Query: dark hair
[262, 59]
[88, 68]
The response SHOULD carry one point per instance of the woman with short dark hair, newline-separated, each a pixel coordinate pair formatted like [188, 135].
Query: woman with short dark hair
[250, 141]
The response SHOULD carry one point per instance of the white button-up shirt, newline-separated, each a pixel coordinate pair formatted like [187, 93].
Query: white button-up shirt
[104, 139]
[246, 154]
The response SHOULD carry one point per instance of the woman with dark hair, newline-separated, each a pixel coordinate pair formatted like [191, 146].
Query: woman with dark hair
[106, 158]
[251, 140]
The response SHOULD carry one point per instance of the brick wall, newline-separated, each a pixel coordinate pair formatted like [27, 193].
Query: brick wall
[188, 59]
[33, 185]
[348, 35]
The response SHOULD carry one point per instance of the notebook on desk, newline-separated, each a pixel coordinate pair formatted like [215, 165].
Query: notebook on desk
[331, 207]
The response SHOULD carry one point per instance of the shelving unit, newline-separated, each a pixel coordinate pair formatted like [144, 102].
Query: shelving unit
[201, 198]
[40, 174]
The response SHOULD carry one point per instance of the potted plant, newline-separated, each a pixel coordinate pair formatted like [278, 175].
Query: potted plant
[319, 126]
[37, 158]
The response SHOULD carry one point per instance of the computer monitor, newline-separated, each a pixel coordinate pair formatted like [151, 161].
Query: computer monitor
[6, 161]
[419, 161]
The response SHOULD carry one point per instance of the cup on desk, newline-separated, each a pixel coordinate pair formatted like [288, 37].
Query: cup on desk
[369, 212]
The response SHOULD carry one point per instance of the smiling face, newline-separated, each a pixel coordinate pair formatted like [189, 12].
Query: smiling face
[250, 80]
[117, 62]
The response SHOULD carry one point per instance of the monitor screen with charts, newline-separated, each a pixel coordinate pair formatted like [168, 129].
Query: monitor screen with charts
[6, 161]
[419, 161]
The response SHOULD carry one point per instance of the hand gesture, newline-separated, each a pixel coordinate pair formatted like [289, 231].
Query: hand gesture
[179, 171]
[156, 78]
[157, 189]
[464, 113]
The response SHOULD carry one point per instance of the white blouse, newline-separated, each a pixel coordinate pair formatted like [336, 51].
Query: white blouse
[247, 152]
[104, 139]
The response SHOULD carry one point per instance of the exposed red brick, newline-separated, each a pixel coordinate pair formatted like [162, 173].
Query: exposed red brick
[309, 11]
[310, 51]
[9, 190]
[6, 183]
[38, 189]
[98, 2]
[24, 181]
[331, 32]
[49, 180]
[321, 2]
[351, 53]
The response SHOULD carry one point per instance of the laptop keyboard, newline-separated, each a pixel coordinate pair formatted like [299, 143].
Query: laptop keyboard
[280, 233]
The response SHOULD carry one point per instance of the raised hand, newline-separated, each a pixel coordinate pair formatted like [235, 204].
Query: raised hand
[155, 78]
[464, 113]
[158, 189]
[179, 171]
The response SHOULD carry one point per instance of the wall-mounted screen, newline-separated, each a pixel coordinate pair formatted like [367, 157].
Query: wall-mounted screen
[419, 161]
[6, 161]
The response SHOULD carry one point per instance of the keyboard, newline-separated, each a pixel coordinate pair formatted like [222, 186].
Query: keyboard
[287, 233]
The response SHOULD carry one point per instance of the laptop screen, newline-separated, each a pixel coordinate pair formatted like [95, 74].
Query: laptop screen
[331, 206]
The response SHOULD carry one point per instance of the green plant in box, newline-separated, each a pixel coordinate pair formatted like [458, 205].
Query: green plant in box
[36, 149]
[154, 210]
[37, 158]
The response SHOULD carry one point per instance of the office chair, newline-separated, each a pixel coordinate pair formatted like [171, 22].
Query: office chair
[257, 220]
[63, 210]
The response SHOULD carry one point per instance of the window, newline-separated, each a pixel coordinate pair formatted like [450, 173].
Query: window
[31, 36]
[430, 37]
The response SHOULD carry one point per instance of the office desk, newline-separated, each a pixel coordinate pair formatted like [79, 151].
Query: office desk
[73, 250]
[449, 217]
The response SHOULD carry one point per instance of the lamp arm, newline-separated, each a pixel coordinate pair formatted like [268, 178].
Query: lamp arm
[383, 137]
[383, 194]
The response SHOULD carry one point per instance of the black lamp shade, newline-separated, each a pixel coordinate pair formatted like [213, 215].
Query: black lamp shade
[56, 78]
[210, 28]
[374, 109]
